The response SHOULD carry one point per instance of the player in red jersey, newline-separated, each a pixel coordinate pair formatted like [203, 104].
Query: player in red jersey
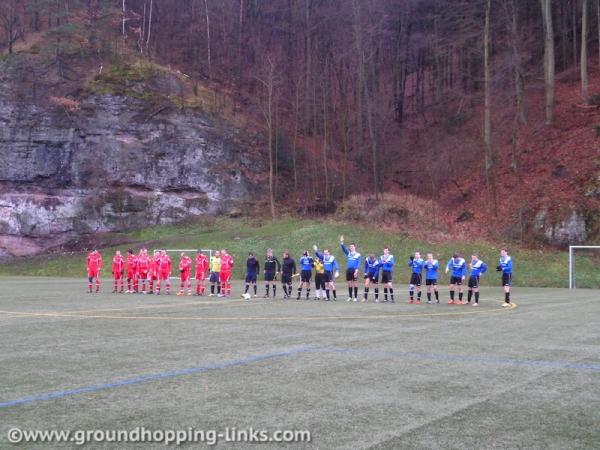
[185, 268]
[201, 269]
[131, 271]
[153, 272]
[143, 268]
[164, 272]
[118, 267]
[94, 264]
[226, 267]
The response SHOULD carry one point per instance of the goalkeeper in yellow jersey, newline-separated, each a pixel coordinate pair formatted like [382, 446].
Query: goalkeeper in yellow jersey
[215, 273]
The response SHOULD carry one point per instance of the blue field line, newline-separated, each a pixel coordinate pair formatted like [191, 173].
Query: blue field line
[157, 376]
[463, 358]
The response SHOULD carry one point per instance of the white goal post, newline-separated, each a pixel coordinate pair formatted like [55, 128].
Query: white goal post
[191, 252]
[572, 249]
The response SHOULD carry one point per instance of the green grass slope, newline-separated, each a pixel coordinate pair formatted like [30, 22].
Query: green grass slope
[536, 268]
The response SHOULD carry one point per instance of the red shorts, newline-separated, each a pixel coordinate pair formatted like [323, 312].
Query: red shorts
[93, 273]
[154, 276]
[164, 276]
[143, 274]
[130, 275]
[225, 276]
[200, 276]
[118, 275]
[185, 276]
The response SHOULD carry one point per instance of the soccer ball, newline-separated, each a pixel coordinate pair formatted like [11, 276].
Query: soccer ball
[246, 296]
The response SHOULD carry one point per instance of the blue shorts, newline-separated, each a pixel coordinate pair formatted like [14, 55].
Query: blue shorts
[251, 278]
[214, 277]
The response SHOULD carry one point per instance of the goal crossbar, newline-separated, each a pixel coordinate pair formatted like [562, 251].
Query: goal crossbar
[572, 249]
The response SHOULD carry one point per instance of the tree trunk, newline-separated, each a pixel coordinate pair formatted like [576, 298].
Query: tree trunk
[598, 25]
[573, 27]
[149, 24]
[518, 67]
[208, 39]
[487, 120]
[583, 65]
[548, 60]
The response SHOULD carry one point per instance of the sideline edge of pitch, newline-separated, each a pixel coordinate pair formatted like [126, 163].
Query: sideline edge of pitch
[265, 318]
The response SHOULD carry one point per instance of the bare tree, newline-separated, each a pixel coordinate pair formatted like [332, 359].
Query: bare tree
[487, 120]
[548, 60]
[269, 84]
[583, 65]
[208, 39]
[149, 24]
[11, 22]
[513, 29]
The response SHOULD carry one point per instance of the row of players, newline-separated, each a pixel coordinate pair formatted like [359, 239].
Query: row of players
[141, 268]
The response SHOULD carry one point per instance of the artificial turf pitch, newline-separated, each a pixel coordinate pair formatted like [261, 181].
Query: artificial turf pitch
[355, 375]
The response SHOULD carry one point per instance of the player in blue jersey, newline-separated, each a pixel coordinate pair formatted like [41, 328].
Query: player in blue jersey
[331, 268]
[352, 268]
[459, 269]
[506, 267]
[306, 266]
[478, 268]
[431, 277]
[372, 267]
[386, 262]
[416, 264]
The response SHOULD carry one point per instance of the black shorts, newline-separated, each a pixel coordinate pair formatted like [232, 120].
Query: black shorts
[456, 280]
[386, 277]
[327, 277]
[214, 277]
[373, 277]
[506, 279]
[270, 276]
[286, 278]
[431, 282]
[415, 279]
[474, 281]
[320, 280]
[350, 275]
[250, 278]
[305, 276]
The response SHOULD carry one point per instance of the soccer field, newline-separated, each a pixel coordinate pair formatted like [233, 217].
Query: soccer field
[355, 375]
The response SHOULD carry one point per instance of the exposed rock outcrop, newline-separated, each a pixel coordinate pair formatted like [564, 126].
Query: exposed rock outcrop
[113, 165]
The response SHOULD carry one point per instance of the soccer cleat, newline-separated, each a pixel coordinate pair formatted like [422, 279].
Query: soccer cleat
[451, 302]
[189, 293]
[504, 305]
[437, 301]
[355, 299]
[211, 295]
[410, 301]
[429, 302]
[376, 300]
[179, 293]
[459, 302]
[418, 302]
[349, 299]
[219, 295]
[476, 304]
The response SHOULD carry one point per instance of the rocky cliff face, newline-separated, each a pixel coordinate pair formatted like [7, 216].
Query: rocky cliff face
[111, 165]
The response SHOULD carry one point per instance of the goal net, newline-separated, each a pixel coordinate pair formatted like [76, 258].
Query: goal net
[175, 254]
[584, 266]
